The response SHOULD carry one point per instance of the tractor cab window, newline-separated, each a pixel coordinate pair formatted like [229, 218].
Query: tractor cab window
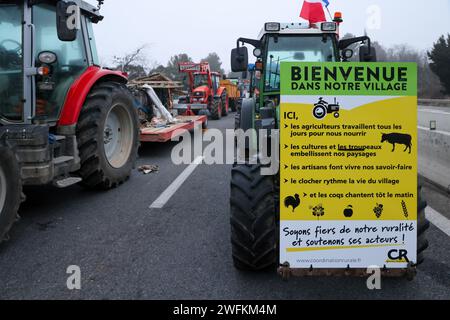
[11, 83]
[92, 41]
[216, 82]
[295, 49]
[200, 80]
[71, 62]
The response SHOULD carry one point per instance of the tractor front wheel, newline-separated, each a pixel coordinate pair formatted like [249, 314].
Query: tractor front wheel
[10, 191]
[254, 222]
[108, 136]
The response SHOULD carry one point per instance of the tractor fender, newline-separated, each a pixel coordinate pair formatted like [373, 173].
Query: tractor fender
[221, 91]
[80, 89]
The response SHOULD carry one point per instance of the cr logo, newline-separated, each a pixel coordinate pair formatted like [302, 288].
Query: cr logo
[398, 255]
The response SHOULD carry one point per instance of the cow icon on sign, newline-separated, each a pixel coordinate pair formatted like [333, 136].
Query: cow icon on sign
[398, 138]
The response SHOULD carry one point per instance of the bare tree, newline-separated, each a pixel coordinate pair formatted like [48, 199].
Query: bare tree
[134, 63]
[429, 84]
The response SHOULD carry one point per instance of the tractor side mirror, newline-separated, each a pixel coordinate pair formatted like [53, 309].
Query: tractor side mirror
[68, 20]
[367, 54]
[239, 59]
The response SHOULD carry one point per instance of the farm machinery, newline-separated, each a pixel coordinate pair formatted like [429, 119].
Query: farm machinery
[234, 94]
[63, 119]
[206, 95]
[255, 198]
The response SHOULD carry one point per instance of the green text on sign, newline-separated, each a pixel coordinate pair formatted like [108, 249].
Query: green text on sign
[351, 79]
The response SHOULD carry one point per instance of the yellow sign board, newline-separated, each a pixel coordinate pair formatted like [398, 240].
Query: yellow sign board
[348, 182]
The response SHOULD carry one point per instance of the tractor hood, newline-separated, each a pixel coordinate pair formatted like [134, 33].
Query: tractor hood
[200, 95]
[202, 89]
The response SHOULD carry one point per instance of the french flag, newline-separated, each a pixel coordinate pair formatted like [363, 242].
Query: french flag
[312, 10]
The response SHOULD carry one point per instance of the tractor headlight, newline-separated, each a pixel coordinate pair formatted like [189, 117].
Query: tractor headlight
[273, 26]
[47, 57]
[329, 26]
[257, 52]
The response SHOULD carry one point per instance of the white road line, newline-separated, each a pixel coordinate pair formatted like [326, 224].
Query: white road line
[173, 188]
[445, 133]
[438, 220]
[434, 111]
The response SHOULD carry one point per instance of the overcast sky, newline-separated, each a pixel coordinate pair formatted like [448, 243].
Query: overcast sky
[198, 27]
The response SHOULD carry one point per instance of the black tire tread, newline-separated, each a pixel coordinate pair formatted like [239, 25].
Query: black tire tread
[422, 227]
[254, 224]
[14, 199]
[215, 114]
[224, 99]
[88, 125]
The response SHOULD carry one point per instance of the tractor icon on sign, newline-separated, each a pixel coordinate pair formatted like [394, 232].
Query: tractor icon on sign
[323, 108]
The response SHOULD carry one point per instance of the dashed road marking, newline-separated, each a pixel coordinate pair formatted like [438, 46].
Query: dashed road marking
[173, 188]
[438, 220]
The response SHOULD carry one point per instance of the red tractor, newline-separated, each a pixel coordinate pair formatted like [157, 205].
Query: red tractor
[206, 96]
[63, 119]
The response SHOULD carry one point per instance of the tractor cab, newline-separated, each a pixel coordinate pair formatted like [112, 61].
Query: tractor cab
[203, 84]
[292, 42]
[41, 56]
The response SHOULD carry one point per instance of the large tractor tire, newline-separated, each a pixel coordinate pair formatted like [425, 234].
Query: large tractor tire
[233, 104]
[108, 136]
[422, 226]
[216, 109]
[254, 219]
[10, 191]
[224, 100]
[237, 120]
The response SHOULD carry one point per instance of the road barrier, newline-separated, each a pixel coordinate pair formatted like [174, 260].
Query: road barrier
[434, 157]
[435, 102]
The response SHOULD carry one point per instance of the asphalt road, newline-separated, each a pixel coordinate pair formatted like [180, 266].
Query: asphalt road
[127, 251]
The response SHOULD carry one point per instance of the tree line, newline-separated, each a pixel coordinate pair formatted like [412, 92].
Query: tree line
[136, 65]
[433, 65]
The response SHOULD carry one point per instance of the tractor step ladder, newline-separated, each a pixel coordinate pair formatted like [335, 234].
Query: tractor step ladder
[62, 160]
[67, 182]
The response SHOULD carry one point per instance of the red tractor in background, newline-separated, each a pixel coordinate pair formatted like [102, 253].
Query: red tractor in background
[63, 119]
[206, 96]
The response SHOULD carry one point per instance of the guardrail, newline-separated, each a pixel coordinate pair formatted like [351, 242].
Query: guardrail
[435, 102]
[434, 157]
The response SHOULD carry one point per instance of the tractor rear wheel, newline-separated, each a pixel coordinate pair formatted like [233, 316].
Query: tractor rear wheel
[254, 222]
[422, 226]
[10, 190]
[108, 136]
[224, 105]
[216, 110]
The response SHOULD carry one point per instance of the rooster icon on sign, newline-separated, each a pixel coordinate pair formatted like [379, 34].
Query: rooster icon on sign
[293, 202]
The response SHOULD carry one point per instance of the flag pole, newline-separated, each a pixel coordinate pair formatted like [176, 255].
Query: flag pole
[331, 17]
